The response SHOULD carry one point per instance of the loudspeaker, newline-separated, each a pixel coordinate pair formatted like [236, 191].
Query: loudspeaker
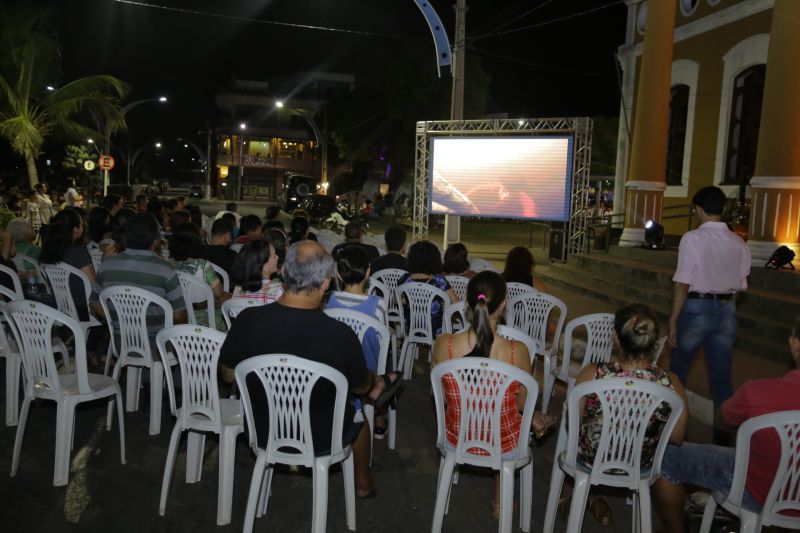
[558, 242]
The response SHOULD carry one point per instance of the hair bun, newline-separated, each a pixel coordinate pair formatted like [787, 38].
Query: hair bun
[643, 325]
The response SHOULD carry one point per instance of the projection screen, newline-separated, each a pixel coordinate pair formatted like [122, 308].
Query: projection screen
[501, 177]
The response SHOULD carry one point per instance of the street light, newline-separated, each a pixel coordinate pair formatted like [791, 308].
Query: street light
[243, 127]
[162, 99]
[124, 111]
[320, 138]
[50, 88]
[279, 104]
[158, 145]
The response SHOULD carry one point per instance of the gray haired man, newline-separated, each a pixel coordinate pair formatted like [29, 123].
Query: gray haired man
[296, 325]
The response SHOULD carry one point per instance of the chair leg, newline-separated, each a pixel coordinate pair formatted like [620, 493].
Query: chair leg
[549, 384]
[65, 412]
[406, 359]
[580, 493]
[369, 415]
[526, 496]
[156, 386]
[556, 483]
[645, 506]
[227, 466]
[194, 456]
[750, 522]
[12, 389]
[636, 513]
[319, 518]
[266, 492]
[23, 419]
[110, 411]
[109, 356]
[708, 515]
[120, 415]
[132, 385]
[349, 491]
[506, 497]
[169, 467]
[392, 426]
[252, 497]
[446, 466]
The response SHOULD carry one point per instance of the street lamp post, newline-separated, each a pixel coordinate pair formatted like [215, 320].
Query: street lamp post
[239, 179]
[318, 134]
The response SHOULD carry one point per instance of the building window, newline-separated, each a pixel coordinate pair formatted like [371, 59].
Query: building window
[676, 138]
[745, 119]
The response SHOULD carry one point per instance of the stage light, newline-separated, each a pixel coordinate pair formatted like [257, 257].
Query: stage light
[162, 99]
[653, 235]
[781, 258]
[279, 104]
[243, 125]
[158, 145]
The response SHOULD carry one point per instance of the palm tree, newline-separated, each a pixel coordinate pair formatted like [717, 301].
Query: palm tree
[29, 111]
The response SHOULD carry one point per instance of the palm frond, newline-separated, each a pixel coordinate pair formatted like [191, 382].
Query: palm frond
[23, 133]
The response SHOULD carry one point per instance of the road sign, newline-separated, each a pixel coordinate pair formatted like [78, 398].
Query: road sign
[106, 162]
[88, 165]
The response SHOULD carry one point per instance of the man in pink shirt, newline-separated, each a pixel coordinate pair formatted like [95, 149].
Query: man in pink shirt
[713, 265]
[711, 467]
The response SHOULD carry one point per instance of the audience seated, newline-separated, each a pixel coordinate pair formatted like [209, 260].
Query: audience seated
[277, 238]
[353, 234]
[395, 238]
[249, 229]
[217, 250]
[519, 267]
[252, 272]
[20, 230]
[100, 230]
[711, 467]
[425, 266]
[297, 326]
[186, 249]
[141, 203]
[456, 261]
[299, 230]
[113, 202]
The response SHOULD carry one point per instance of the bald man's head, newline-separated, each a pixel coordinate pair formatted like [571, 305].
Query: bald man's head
[307, 267]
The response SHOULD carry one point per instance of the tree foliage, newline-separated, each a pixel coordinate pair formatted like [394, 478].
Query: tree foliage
[29, 112]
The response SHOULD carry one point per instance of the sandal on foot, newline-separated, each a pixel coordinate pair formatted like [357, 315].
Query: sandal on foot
[379, 431]
[600, 510]
[391, 389]
[545, 424]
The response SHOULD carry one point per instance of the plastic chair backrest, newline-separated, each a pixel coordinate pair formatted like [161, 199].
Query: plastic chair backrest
[20, 261]
[129, 305]
[533, 346]
[420, 297]
[196, 290]
[599, 339]
[390, 277]
[450, 312]
[232, 307]
[32, 326]
[627, 406]
[58, 275]
[226, 280]
[459, 285]
[360, 323]
[287, 382]
[530, 312]
[17, 286]
[514, 289]
[96, 254]
[784, 494]
[379, 289]
[482, 385]
[197, 351]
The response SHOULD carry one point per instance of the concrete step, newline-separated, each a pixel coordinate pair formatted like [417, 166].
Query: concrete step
[762, 335]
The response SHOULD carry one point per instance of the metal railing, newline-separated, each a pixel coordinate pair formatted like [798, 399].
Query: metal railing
[618, 219]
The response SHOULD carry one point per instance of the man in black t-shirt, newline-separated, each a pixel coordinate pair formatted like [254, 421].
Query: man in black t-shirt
[353, 233]
[218, 251]
[295, 325]
[395, 238]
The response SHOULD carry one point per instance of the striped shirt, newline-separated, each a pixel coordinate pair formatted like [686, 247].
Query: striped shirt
[146, 270]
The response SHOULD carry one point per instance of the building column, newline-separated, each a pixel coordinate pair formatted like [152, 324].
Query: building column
[775, 210]
[646, 177]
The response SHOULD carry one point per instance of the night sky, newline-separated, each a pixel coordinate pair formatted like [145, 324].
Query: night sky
[564, 67]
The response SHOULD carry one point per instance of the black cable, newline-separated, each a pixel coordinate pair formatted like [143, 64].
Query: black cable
[540, 65]
[503, 25]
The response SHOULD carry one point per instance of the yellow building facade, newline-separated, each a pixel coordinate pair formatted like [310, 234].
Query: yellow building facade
[711, 96]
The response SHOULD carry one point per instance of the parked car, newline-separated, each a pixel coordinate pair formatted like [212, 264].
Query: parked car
[296, 188]
[318, 206]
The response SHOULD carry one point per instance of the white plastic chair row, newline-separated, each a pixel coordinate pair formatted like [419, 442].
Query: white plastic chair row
[459, 286]
[32, 325]
[196, 290]
[226, 281]
[419, 330]
[96, 254]
[389, 277]
[627, 405]
[514, 289]
[232, 307]
[201, 411]
[59, 275]
[483, 382]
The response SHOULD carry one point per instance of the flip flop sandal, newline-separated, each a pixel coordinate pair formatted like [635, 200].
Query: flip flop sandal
[600, 510]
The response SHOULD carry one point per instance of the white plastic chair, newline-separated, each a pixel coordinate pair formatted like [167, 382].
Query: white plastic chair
[232, 307]
[627, 406]
[360, 323]
[223, 275]
[530, 313]
[287, 381]
[58, 275]
[459, 285]
[125, 308]
[783, 495]
[201, 411]
[599, 345]
[533, 346]
[378, 288]
[451, 312]
[389, 277]
[658, 347]
[96, 254]
[420, 297]
[196, 290]
[32, 324]
[16, 285]
[21, 261]
[514, 289]
[482, 385]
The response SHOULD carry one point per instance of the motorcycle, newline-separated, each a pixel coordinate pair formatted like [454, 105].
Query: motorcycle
[343, 214]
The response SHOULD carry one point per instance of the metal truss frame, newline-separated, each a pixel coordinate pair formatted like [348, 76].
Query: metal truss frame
[579, 127]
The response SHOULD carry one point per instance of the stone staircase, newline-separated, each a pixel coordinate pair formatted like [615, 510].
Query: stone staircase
[625, 275]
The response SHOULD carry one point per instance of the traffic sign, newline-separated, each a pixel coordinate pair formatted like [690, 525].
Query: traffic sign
[106, 162]
[88, 165]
